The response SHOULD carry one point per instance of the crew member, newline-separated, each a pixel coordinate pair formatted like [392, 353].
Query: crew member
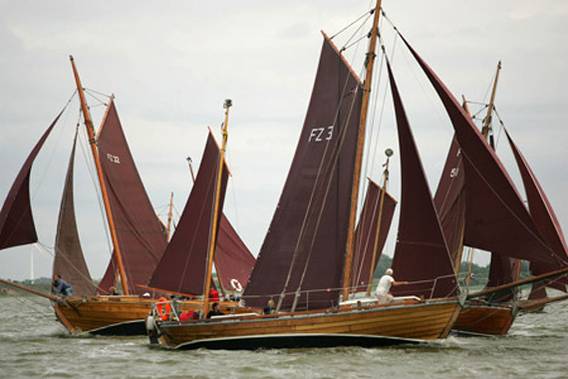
[214, 311]
[213, 294]
[61, 287]
[383, 288]
[269, 307]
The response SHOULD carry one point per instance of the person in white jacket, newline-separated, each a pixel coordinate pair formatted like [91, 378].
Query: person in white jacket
[383, 288]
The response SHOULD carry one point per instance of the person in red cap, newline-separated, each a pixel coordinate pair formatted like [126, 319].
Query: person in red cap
[213, 294]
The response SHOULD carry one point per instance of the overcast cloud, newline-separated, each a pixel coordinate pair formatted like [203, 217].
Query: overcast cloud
[172, 63]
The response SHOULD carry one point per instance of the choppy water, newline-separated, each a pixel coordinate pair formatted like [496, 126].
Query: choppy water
[32, 344]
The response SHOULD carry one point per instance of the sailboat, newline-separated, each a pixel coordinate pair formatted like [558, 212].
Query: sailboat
[138, 237]
[305, 265]
[464, 186]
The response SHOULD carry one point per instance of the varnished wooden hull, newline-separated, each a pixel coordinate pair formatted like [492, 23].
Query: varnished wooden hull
[109, 315]
[485, 319]
[358, 327]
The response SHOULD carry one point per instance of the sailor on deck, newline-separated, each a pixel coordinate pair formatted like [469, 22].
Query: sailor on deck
[61, 287]
[383, 288]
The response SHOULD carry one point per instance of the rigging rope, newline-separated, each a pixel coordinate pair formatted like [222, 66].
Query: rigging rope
[88, 162]
[312, 195]
[368, 14]
[51, 250]
[384, 100]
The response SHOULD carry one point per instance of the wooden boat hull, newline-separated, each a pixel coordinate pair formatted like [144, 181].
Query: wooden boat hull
[377, 326]
[493, 320]
[111, 315]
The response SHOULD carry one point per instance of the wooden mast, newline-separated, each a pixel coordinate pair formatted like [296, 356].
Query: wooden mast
[170, 216]
[388, 153]
[217, 191]
[369, 65]
[104, 193]
[191, 172]
[487, 128]
[490, 107]
[485, 132]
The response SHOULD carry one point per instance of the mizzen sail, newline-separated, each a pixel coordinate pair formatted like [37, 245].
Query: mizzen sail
[303, 252]
[16, 219]
[69, 261]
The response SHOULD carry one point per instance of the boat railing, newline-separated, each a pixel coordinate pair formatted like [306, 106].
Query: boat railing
[312, 298]
[355, 289]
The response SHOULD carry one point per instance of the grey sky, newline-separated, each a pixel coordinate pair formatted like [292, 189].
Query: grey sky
[172, 63]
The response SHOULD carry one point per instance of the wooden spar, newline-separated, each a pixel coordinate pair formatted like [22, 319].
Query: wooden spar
[369, 65]
[388, 152]
[528, 305]
[170, 216]
[217, 191]
[30, 290]
[488, 118]
[96, 158]
[528, 280]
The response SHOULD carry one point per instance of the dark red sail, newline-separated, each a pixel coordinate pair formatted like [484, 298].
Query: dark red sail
[305, 246]
[501, 271]
[182, 268]
[233, 260]
[541, 211]
[497, 219]
[544, 218]
[16, 219]
[421, 255]
[139, 230]
[69, 261]
[366, 234]
[109, 278]
[450, 202]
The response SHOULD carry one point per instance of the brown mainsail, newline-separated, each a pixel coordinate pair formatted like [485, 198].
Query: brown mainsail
[233, 260]
[182, 267]
[366, 234]
[69, 261]
[305, 244]
[16, 219]
[140, 233]
[497, 219]
[450, 202]
[421, 255]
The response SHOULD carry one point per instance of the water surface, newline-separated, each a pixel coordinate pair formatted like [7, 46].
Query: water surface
[33, 344]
